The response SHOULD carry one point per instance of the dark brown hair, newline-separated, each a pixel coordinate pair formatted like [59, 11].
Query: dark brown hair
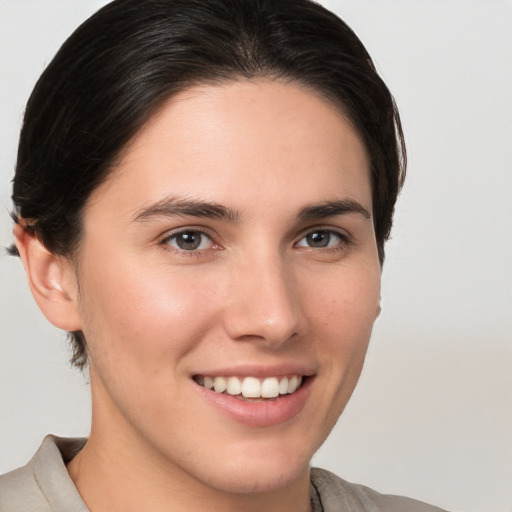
[121, 64]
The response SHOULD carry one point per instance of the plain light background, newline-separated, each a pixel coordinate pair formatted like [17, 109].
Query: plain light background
[432, 415]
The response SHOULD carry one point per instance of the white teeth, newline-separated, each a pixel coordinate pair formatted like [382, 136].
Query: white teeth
[234, 386]
[293, 384]
[208, 383]
[270, 387]
[251, 387]
[219, 384]
[283, 386]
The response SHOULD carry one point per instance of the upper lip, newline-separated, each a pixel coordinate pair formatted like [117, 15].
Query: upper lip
[259, 371]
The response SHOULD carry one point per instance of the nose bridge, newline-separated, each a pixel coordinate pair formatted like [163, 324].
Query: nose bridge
[263, 303]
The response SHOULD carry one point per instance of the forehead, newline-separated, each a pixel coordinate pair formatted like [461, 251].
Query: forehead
[240, 142]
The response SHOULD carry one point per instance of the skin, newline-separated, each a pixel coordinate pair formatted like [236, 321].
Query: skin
[254, 295]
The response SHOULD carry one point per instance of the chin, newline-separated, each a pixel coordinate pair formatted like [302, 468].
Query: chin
[263, 472]
[259, 480]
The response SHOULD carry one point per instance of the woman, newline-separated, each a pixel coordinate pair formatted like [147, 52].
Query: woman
[202, 197]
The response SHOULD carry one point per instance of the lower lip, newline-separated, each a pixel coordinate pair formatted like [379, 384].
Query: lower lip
[259, 414]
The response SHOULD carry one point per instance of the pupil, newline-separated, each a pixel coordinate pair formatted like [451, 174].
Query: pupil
[189, 240]
[318, 239]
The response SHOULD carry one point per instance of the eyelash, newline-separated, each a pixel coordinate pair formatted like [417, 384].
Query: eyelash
[343, 243]
[165, 242]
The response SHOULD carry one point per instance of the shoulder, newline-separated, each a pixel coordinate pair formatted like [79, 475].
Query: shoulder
[336, 494]
[19, 491]
[43, 484]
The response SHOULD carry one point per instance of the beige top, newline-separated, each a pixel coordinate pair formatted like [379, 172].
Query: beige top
[44, 485]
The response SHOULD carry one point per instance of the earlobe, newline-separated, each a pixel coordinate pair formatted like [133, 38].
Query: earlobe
[51, 279]
[379, 308]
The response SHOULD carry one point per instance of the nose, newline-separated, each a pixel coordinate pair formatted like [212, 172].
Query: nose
[264, 304]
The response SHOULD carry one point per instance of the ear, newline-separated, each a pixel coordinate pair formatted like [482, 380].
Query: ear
[379, 308]
[52, 280]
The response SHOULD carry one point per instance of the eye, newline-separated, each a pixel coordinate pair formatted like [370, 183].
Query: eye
[189, 240]
[321, 238]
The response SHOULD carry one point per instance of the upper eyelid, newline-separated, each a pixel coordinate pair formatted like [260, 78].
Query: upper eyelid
[345, 239]
[217, 239]
[164, 242]
[337, 230]
[176, 231]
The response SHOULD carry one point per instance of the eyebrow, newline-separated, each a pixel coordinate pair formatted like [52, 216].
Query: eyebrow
[177, 207]
[331, 209]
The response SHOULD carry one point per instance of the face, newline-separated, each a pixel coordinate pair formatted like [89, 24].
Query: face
[232, 245]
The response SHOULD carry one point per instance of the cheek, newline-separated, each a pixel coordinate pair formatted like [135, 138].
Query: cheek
[346, 303]
[140, 315]
[345, 309]
[140, 327]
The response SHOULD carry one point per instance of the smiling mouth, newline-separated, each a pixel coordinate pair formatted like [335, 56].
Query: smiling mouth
[251, 388]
